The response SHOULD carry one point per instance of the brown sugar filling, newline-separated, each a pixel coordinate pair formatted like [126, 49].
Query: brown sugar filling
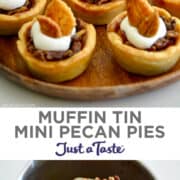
[109, 178]
[163, 43]
[97, 2]
[28, 5]
[77, 44]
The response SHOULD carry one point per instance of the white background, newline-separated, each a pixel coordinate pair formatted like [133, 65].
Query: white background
[162, 170]
[15, 95]
[22, 149]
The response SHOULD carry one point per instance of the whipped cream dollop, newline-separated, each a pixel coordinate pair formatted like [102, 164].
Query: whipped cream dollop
[138, 40]
[46, 43]
[11, 4]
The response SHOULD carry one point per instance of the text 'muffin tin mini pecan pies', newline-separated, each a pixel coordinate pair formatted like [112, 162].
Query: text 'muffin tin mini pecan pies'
[56, 47]
[173, 6]
[14, 13]
[97, 11]
[145, 39]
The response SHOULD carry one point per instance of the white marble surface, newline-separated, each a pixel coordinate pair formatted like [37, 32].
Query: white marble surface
[15, 95]
[11, 170]
[162, 170]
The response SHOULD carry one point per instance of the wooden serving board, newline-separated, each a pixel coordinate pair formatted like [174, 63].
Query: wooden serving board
[103, 79]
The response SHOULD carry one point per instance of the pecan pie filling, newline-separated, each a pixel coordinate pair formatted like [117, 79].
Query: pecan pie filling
[97, 2]
[98, 178]
[28, 5]
[77, 44]
[109, 178]
[162, 43]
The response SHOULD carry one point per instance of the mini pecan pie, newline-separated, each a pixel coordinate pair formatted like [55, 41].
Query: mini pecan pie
[56, 47]
[97, 11]
[12, 19]
[173, 6]
[145, 39]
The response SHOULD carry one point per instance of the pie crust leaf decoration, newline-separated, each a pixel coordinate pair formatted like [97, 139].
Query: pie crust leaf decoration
[58, 11]
[143, 16]
[49, 27]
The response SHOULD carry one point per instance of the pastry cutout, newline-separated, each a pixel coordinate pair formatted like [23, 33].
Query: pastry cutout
[49, 27]
[64, 18]
[143, 16]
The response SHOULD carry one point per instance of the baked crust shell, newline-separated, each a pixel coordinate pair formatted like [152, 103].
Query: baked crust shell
[97, 14]
[62, 70]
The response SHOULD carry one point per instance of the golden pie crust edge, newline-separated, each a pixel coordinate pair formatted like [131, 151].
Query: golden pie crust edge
[58, 71]
[97, 14]
[141, 61]
[10, 24]
[173, 6]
